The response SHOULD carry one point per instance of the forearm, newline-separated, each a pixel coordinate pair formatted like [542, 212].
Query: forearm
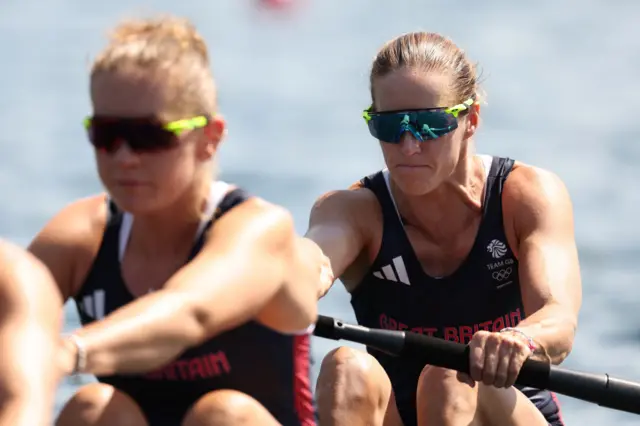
[306, 245]
[339, 252]
[28, 377]
[141, 336]
[18, 411]
[26, 410]
[553, 331]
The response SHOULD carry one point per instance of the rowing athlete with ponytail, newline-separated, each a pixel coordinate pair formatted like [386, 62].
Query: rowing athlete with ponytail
[31, 318]
[471, 248]
[196, 298]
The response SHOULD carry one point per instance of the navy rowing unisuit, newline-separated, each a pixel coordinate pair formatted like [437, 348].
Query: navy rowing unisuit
[271, 367]
[483, 294]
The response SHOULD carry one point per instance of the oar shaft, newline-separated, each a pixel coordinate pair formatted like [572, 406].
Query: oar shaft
[600, 389]
[597, 388]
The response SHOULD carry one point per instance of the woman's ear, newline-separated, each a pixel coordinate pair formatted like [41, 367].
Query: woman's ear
[214, 132]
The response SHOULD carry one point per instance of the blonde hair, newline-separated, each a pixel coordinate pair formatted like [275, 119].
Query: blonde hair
[429, 52]
[166, 44]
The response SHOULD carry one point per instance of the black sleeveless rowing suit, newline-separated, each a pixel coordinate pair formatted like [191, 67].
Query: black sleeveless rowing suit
[483, 294]
[271, 367]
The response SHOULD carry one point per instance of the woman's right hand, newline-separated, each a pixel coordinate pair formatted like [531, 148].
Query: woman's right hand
[66, 357]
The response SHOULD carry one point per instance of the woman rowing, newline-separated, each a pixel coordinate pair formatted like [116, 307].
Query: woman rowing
[466, 247]
[196, 298]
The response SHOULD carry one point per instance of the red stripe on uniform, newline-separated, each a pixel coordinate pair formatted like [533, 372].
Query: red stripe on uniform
[301, 380]
[557, 402]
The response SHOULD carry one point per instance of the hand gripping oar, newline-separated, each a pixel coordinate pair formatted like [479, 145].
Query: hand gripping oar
[597, 388]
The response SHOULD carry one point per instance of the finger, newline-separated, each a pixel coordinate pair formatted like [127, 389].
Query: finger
[518, 356]
[504, 360]
[491, 349]
[476, 356]
[465, 378]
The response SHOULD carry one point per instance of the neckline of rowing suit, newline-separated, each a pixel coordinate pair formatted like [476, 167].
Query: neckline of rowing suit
[217, 193]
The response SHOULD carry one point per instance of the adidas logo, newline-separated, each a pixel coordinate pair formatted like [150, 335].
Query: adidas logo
[93, 305]
[497, 249]
[388, 272]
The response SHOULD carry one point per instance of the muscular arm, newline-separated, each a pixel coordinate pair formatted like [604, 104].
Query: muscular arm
[335, 228]
[69, 241]
[30, 323]
[548, 258]
[246, 261]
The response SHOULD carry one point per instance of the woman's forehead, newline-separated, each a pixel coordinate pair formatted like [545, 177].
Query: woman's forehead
[411, 89]
[131, 93]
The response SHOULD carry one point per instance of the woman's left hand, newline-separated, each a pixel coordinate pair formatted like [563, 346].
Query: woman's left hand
[495, 359]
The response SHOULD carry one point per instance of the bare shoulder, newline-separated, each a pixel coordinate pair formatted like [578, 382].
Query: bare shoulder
[68, 243]
[347, 226]
[75, 225]
[256, 216]
[536, 199]
[534, 186]
[356, 204]
[16, 261]
[24, 279]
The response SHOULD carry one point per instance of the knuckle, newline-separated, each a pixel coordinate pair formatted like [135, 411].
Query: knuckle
[515, 345]
[483, 334]
[513, 369]
[476, 354]
[479, 336]
[500, 380]
[505, 350]
[490, 341]
[518, 342]
[521, 352]
[476, 364]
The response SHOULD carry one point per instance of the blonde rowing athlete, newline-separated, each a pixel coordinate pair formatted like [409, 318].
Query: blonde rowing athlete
[196, 298]
[30, 324]
[470, 248]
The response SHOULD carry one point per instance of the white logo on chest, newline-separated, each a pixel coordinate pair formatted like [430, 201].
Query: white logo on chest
[497, 249]
[93, 305]
[388, 273]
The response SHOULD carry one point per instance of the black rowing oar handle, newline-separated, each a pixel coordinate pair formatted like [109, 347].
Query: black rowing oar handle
[600, 389]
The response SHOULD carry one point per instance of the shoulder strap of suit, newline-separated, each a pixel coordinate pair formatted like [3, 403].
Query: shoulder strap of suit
[394, 237]
[377, 183]
[230, 200]
[500, 169]
[233, 198]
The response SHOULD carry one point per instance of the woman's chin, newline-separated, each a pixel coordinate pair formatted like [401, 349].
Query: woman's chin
[417, 180]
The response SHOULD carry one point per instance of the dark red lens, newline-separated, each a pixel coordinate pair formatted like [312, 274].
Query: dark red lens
[141, 135]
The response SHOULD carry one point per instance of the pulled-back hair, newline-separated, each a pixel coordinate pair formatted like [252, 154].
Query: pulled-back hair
[164, 44]
[428, 52]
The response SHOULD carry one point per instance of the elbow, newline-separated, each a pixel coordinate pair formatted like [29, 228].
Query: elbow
[298, 323]
[193, 320]
[202, 327]
[309, 314]
[571, 336]
[202, 319]
[565, 346]
[559, 357]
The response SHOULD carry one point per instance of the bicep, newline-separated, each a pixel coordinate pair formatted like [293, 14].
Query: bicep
[240, 269]
[338, 242]
[31, 318]
[47, 247]
[335, 228]
[547, 252]
[549, 268]
[68, 238]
